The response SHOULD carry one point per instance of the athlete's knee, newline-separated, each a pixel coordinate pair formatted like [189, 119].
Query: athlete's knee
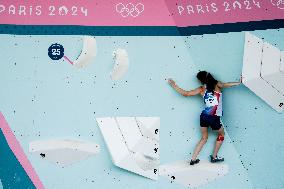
[220, 137]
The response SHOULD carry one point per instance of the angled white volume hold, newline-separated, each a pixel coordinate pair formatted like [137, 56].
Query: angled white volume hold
[147, 147]
[128, 147]
[276, 81]
[146, 162]
[149, 126]
[252, 57]
[261, 73]
[63, 152]
[267, 93]
[131, 133]
[88, 52]
[113, 139]
[121, 64]
[270, 72]
[193, 176]
[271, 58]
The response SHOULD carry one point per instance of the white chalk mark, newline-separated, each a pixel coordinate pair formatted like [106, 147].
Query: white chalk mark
[121, 64]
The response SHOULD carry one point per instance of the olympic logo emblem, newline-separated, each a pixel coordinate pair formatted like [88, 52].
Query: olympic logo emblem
[129, 9]
[278, 3]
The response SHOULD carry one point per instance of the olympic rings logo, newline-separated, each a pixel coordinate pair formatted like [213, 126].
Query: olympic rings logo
[129, 9]
[278, 3]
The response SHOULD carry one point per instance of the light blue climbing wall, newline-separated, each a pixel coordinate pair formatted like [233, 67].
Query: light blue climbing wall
[42, 99]
[255, 128]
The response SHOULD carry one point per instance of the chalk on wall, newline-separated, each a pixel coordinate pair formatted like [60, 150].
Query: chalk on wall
[63, 152]
[261, 71]
[129, 147]
[193, 176]
[88, 52]
[121, 64]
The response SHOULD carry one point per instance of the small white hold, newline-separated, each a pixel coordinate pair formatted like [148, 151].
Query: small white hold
[88, 53]
[121, 64]
[63, 152]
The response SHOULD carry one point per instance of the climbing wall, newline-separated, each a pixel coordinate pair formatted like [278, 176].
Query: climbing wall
[45, 99]
[248, 119]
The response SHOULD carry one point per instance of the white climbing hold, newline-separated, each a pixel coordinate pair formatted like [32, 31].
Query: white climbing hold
[88, 52]
[129, 148]
[121, 64]
[149, 126]
[146, 162]
[187, 175]
[270, 68]
[63, 152]
[262, 71]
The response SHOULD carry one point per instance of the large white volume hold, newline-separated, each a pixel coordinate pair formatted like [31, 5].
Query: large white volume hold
[271, 62]
[252, 57]
[271, 57]
[88, 53]
[129, 148]
[193, 176]
[63, 152]
[259, 73]
[149, 126]
[121, 64]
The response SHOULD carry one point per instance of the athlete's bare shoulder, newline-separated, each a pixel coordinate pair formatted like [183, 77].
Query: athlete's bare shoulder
[218, 87]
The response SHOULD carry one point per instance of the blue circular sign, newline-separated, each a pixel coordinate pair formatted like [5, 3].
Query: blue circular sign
[56, 51]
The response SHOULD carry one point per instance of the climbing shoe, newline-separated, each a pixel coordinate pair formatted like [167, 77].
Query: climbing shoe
[216, 159]
[193, 162]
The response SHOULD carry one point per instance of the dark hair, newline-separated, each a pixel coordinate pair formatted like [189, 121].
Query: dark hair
[207, 79]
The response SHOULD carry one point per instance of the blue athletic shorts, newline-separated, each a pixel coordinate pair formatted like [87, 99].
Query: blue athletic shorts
[210, 121]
